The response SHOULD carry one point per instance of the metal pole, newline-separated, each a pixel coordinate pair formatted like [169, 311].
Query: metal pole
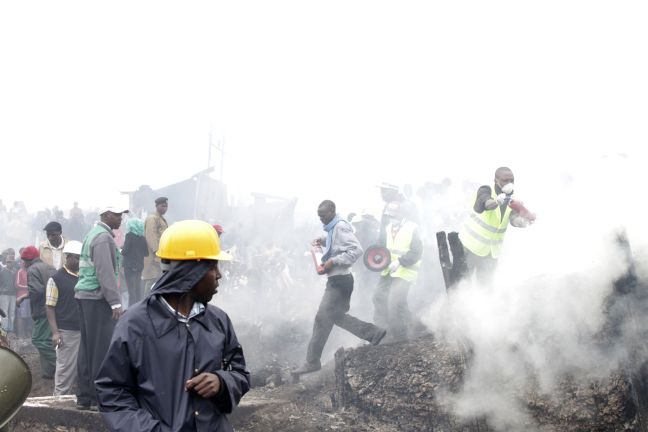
[222, 159]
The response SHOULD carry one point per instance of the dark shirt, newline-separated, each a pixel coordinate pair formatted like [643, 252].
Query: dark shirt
[66, 310]
[134, 251]
[8, 281]
[484, 193]
[37, 276]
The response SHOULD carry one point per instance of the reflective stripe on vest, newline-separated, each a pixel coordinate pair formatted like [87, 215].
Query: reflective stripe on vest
[399, 246]
[483, 233]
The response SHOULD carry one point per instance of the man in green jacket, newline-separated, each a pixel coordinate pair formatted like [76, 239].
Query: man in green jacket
[99, 300]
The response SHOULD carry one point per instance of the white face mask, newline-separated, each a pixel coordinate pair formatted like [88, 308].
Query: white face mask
[508, 188]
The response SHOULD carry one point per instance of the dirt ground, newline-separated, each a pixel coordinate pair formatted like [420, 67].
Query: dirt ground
[305, 406]
[40, 386]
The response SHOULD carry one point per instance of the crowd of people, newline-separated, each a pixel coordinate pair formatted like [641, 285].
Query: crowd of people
[104, 305]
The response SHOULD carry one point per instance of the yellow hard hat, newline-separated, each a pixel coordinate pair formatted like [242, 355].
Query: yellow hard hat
[191, 240]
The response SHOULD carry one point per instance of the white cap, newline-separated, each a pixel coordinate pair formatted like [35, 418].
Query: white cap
[73, 247]
[114, 209]
[387, 185]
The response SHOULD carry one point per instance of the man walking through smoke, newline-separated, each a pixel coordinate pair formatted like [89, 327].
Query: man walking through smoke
[341, 249]
[482, 234]
[406, 248]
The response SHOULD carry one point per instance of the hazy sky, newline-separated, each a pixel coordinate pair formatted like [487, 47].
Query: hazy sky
[316, 99]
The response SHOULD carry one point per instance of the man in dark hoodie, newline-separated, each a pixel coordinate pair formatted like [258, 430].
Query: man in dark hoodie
[174, 362]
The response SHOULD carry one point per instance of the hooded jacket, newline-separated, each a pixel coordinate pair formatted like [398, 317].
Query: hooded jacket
[141, 383]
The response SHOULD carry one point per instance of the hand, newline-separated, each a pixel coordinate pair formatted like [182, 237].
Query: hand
[316, 242]
[501, 198]
[205, 384]
[490, 204]
[394, 265]
[116, 313]
[325, 267]
[56, 339]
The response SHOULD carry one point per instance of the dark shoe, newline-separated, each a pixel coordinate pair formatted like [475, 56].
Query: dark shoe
[380, 334]
[83, 407]
[307, 368]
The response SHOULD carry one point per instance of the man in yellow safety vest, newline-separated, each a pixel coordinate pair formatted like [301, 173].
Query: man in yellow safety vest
[403, 240]
[482, 234]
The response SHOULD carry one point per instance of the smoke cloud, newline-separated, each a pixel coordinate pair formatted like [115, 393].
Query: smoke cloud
[552, 308]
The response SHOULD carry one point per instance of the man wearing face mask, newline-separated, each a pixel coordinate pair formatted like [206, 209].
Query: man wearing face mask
[403, 240]
[483, 232]
[174, 362]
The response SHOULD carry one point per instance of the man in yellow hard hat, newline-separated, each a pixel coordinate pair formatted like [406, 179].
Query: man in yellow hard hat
[174, 362]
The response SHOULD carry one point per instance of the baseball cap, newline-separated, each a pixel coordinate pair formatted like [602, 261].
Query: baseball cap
[29, 253]
[385, 185]
[73, 247]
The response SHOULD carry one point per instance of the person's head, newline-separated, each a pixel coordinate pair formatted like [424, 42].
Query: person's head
[161, 205]
[112, 216]
[326, 211]
[54, 231]
[388, 192]
[394, 211]
[503, 176]
[9, 256]
[29, 255]
[72, 251]
[194, 241]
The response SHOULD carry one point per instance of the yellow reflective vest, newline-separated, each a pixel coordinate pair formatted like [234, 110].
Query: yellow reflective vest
[483, 233]
[398, 246]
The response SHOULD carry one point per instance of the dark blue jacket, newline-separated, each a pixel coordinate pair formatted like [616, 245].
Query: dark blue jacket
[141, 383]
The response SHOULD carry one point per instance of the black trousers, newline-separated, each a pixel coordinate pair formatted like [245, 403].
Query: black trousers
[483, 267]
[333, 311]
[97, 328]
[135, 286]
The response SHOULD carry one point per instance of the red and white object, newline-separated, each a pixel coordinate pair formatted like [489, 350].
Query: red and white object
[317, 254]
[522, 211]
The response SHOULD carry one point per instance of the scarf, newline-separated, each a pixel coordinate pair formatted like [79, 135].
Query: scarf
[329, 238]
[135, 226]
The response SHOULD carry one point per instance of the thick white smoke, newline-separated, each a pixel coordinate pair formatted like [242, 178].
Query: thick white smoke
[544, 314]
